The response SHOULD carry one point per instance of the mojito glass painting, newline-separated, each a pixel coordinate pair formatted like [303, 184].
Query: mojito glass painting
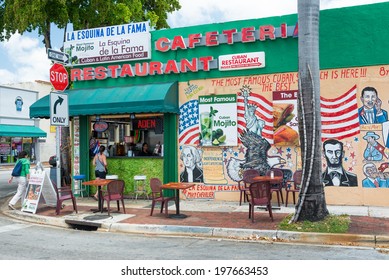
[218, 120]
[206, 121]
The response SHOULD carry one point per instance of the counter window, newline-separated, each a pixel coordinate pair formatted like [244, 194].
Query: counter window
[124, 136]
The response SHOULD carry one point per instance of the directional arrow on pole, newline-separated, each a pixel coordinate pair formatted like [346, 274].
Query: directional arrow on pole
[58, 101]
[59, 109]
[58, 56]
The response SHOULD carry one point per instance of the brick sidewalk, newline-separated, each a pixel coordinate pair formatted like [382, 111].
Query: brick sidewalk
[359, 224]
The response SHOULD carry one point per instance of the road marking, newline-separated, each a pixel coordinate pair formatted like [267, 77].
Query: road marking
[13, 227]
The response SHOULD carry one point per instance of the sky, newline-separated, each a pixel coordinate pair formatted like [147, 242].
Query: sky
[23, 58]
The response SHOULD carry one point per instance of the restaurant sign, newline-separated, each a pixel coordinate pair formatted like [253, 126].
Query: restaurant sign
[100, 126]
[109, 44]
[204, 63]
[242, 61]
[218, 122]
[148, 124]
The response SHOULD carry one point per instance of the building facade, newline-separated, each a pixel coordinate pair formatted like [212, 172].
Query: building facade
[17, 131]
[221, 98]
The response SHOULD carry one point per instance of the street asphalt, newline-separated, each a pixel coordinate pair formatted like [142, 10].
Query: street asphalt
[212, 219]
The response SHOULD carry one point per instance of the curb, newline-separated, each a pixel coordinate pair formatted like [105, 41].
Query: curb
[375, 241]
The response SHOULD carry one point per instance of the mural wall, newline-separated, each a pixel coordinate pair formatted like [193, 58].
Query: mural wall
[355, 127]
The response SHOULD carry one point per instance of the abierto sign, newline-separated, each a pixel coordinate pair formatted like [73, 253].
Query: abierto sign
[242, 61]
[109, 44]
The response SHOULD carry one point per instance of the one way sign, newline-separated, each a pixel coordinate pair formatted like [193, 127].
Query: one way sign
[59, 109]
[58, 56]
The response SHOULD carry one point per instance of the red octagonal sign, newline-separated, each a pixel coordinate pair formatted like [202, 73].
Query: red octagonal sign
[59, 77]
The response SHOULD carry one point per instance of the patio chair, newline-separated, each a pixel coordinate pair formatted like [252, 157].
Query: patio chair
[277, 188]
[260, 195]
[157, 196]
[243, 185]
[64, 193]
[294, 186]
[114, 192]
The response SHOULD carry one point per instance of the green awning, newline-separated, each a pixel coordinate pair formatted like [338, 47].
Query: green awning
[150, 98]
[21, 131]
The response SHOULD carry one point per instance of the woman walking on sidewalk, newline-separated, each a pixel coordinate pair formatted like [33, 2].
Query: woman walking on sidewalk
[22, 180]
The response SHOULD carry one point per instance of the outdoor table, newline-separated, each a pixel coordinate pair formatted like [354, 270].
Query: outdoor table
[98, 183]
[272, 180]
[177, 187]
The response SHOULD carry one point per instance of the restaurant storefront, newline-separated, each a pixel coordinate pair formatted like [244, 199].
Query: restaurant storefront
[14, 139]
[222, 98]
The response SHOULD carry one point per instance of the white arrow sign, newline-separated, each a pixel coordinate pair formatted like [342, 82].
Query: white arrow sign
[58, 56]
[59, 109]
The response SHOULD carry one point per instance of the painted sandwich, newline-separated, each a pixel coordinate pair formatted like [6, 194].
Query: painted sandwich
[284, 135]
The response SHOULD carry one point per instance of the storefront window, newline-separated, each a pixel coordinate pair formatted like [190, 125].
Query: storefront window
[124, 136]
[10, 147]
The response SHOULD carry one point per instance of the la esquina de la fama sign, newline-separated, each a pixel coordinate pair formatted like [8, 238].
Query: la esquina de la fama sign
[204, 63]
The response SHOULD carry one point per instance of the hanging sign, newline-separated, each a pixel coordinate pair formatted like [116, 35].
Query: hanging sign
[109, 44]
[100, 126]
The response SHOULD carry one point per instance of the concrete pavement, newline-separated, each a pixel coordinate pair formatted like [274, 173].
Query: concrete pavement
[214, 219]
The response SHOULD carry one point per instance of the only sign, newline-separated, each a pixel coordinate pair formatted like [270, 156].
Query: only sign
[59, 77]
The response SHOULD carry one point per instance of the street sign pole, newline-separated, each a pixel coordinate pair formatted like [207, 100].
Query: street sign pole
[59, 116]
[58, 151]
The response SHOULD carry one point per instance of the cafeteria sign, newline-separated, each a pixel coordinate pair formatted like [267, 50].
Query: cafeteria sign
[218, 120]
[109, 44]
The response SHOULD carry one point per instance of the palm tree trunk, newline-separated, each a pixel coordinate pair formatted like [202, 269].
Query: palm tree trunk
[312, 205]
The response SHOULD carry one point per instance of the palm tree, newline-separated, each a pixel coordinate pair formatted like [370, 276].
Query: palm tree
[312, 205]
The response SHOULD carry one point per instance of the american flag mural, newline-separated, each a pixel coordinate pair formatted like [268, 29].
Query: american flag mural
[339, 116]
[188, 130]
[264, 112]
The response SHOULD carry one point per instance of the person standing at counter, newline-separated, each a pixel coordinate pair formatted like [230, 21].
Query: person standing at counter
[145, 152]
[100, 163]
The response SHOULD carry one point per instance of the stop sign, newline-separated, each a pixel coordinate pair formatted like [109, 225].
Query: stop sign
[59, 77]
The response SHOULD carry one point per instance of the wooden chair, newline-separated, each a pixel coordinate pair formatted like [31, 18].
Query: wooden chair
[260, 195]
[113, 192]
[294, 186]
[157, 196]
[277, 188]
[243, 185]
[64, 193]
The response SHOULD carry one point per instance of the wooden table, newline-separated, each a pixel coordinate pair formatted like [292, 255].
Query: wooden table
[177, 187]
[98, 183]
[272, 180]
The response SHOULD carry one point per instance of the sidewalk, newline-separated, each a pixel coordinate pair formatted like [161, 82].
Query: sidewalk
[216, 219]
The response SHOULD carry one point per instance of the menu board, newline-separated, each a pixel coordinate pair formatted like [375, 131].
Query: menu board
[39, 186]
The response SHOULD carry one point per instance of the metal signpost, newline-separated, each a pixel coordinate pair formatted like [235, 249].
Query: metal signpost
[59, 116]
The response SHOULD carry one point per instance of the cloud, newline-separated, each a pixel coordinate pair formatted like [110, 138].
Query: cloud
[24, 60]
[196, 12]
[206, 11]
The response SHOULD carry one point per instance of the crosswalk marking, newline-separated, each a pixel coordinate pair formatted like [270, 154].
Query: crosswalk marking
[13, 227]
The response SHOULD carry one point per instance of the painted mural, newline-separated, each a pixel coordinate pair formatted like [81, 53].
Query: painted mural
[355, 130]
